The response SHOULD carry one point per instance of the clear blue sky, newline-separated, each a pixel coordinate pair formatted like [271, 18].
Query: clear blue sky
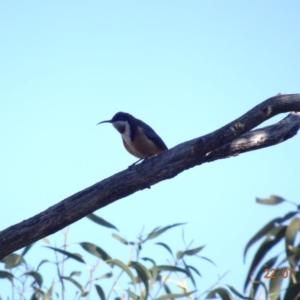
[184, 67]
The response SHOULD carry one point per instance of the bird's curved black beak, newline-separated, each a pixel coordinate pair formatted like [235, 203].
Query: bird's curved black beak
[108, 121]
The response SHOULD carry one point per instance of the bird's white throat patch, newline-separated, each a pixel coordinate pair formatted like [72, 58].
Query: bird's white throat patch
[124, 128]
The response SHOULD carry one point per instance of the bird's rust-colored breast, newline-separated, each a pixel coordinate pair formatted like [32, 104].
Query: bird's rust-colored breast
[141, 146]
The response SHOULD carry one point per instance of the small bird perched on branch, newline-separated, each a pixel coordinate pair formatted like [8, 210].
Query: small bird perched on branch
[139, 139]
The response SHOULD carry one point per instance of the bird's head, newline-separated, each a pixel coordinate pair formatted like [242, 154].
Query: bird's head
[120, 120]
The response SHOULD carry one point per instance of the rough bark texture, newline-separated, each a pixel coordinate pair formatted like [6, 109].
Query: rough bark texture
[230, 140]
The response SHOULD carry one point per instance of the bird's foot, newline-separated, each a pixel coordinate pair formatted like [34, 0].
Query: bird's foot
[131, 166]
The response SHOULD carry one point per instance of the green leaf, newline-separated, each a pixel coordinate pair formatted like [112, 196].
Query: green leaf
[272, 200]
[120, 239]
[95, 250]
[275, 236]
[173, 296]
[275, 285]
[143, 274]
[48, 295]
[76, 283]
[166, 247]
[37, 277]
[12, 260]
[123, 267]
[290, 236]
[170, 269]
[132, 295]
[193, 251]
[46, 241]
[75, 256]
[75, 273]
[181, 254]
[158, 231]
[223, 293]
[237, 293]
[100, 292]
[101, 221]
[6, 275]
[153, 272]
[106, 275]
[41, 263]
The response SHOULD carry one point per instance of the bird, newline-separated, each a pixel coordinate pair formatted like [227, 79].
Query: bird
[139, 139]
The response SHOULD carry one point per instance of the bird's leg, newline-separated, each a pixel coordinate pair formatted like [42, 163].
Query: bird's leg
[135, 163]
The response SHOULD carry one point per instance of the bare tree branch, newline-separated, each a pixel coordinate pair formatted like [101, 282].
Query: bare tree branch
[231, 139]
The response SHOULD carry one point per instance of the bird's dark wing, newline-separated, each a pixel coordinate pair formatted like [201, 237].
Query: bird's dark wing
[152, 135]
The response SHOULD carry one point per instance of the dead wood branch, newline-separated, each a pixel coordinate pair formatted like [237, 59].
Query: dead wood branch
[231, 139]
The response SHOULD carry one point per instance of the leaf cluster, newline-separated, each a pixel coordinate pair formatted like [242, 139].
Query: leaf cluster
[138, 278]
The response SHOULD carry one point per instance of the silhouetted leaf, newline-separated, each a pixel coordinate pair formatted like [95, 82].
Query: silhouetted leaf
[119, 238]
[34, 296]
[266, 229]
[26, 249]
[76, 283]
[262, 271]
[153, 272]
[290, 235]
[166, 247]
[95, 250]
[158, 231]
[38, 293]
[100, 292]
[37, 277]
[238, 294]
[123, 267]
[41, 263]
[275, 235]
[101, 221]
[6, 275]
[12, 260]
[209, 260]
[223, 293]
[272, 200]
[75, 256]
[292, 291]
[190, 275]
[107, 275]
[167, 289]
[264, 287]
[195, 270]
